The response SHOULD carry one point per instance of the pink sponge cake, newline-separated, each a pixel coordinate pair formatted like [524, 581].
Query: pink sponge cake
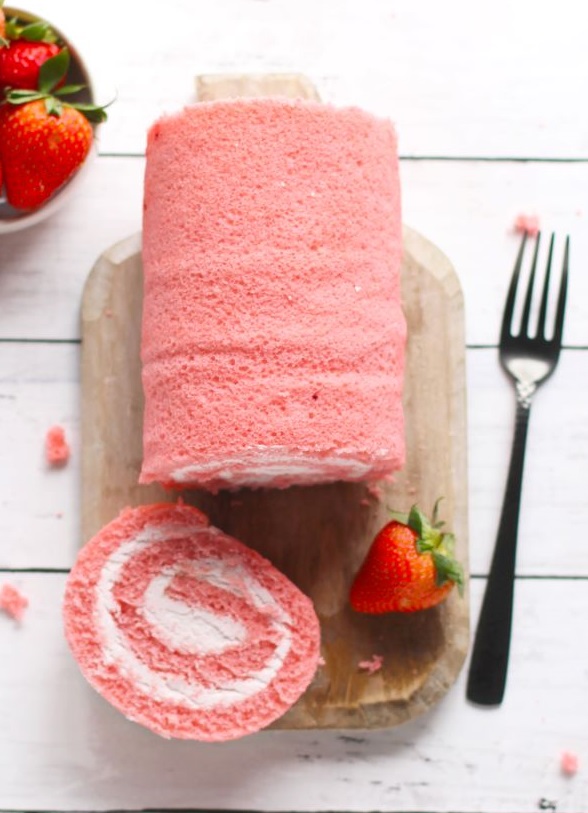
[273, 335]
[184, 629]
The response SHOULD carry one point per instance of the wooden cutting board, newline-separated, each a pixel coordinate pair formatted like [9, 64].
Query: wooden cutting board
[316, 535]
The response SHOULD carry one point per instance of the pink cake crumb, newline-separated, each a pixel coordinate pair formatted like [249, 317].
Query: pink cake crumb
[12, 602]
[321, 661]
[57, 449]
[527, 224]
[364, 501]
[375, 491]
[569, 763]
[373, 665]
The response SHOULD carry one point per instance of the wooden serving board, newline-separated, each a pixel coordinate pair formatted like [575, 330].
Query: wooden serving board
[316, 535]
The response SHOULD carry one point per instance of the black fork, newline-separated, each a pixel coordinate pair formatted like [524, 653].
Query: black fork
[529, 360]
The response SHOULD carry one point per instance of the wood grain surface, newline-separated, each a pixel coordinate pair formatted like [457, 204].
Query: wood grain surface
[456, 91]
[316, 535]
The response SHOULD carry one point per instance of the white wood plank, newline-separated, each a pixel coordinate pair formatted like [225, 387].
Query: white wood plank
[43, 269]
[63, 748]
[505, 81]
[39, 385]
[39, 506]
[467, 209]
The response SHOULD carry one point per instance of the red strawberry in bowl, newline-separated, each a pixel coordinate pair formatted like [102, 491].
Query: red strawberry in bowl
[25, 46]
[44, 139]
[40, 151]
[20, 62]
[410, 566]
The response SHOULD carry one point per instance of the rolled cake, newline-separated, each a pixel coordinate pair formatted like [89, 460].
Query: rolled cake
[273, 335]
[186, 630]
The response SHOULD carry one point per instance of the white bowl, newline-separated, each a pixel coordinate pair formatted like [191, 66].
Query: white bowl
[12, 219]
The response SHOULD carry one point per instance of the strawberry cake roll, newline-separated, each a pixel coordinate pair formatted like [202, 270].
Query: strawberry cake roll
[184, 629]
[273, 334]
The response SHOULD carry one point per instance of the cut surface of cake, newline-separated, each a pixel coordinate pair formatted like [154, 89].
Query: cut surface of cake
[184, 629]
[273, 334]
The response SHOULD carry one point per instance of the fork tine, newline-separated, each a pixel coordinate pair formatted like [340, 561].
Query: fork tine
[528, 298]
[505, 330]
[545, 296]
[561, 300]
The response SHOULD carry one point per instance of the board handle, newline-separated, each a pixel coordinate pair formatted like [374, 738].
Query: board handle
[210, 87]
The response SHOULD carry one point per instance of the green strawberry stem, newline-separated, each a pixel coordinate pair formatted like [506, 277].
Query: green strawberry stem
[38, 31]
[51, 73]
[441, 546]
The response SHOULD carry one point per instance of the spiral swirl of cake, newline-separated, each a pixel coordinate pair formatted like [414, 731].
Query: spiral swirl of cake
[184, 629]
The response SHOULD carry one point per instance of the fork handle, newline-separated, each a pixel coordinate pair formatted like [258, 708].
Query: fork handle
[489, 662]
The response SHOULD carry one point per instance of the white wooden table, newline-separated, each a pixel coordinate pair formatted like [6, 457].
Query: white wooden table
[491, 108]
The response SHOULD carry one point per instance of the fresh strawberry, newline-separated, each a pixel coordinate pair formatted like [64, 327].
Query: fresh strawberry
[410, 566]
[43, 139]
[21, 60]
[40, 151]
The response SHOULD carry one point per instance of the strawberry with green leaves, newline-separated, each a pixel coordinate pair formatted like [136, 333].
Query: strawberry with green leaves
[24, 48]
[44, 139]
[21, 61]
[410, 566]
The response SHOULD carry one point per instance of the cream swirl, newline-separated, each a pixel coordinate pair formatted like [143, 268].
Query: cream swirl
[187, 628]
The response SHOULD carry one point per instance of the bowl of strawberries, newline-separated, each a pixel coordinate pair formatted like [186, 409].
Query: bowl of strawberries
[48, 119]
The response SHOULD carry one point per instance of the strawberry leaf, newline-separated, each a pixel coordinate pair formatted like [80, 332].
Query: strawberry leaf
[417, 520]
[12, 28]
[91, 111]
[428, 537]
[53, 70]
[65, 90]
[53, 106]
[448, 543]
[4, 43]
[435, 516]
[38, 31]
[21, 96]
[448, 569]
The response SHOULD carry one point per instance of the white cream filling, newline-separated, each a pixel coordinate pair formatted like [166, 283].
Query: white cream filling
[184, 628]
[264, 466]
[189, 630]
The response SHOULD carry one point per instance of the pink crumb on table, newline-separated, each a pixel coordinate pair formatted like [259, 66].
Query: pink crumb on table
[321, 661]
[569, 763]
[12, 601]
[374, 491]
[373, 665]
[527, 224]
[57, 449]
